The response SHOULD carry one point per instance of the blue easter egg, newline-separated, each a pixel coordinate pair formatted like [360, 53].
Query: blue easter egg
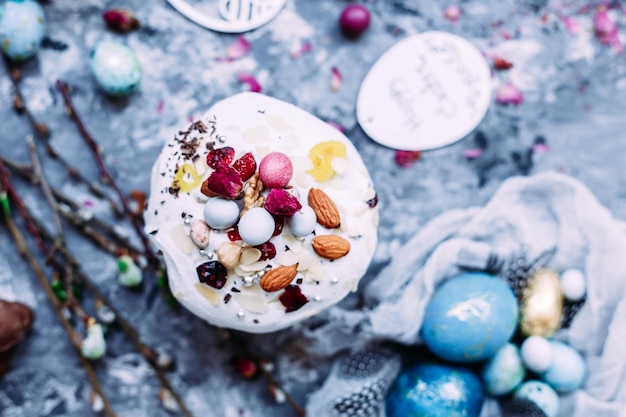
[115, 68]
[435, 390]
[470, 317]
[504, 371]
[541, 394]
[22, 28]
[567, 371]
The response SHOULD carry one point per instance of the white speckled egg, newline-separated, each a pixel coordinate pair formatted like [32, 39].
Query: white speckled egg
[220, 213]
[115, 68]
[541, 394]
[303, 222]
[256, 226]
[567, 371]
[537, 353]
[504, 371]
[22, 28]
[573, 286]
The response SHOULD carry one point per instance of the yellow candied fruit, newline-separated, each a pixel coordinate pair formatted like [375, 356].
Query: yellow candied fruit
[322, 155]
[186, 178]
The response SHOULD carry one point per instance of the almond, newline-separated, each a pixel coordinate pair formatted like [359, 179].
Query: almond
[279, 277]
[324, 208]
[331, 246]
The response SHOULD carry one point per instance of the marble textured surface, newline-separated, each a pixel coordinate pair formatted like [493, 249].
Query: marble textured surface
[574, 88]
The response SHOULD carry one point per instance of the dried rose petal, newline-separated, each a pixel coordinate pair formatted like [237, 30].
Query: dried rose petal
[509, 94]
[238, 49]
[249, 79]
[335, 79]
[501, 63]
[292, 298]
[472, 153]
[407, 158]
[225, 182]
[121, 20]
[452, 13]
[281, 203]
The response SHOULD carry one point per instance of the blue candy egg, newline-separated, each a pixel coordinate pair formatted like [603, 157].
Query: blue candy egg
[435, 390]
[567, 371]
[22, 28]
[541, 394]
[115, 68]
[504, 371]
[470, 317]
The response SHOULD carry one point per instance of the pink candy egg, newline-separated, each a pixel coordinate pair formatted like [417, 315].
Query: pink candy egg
[275, 170]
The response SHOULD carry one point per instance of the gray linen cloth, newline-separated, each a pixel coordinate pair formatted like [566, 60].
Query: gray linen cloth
[548, 220]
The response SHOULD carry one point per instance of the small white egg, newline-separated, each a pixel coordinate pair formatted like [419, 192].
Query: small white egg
[573, 286]
[220, 213]
[537, 353]
[303, 222]
[256, 226]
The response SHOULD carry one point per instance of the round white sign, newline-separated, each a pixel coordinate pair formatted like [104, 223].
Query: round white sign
[427, 91]
[237, 16]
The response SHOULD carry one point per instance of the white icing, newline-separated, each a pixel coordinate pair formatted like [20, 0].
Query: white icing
[250, 122]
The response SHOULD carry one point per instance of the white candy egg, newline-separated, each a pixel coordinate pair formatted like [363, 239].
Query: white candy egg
[537, 353]
[256, 226]
[573, 286]
[220, 213]
[303, 222]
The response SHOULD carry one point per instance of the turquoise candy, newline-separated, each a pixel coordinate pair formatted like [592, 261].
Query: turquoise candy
[115, 68]
[469, 317]
[504, 371]
[541, 394]
[435, 390]
[22, 28]
[567, 371]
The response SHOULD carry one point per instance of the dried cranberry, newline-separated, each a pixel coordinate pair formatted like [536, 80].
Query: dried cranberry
[373, 202]
[245, 367]
[268, 250]
[502, 64]
[245, 166]
[212, 273]
[292, 298]
[407, 158]
[221, 156]
[233, 235]
[279, 222]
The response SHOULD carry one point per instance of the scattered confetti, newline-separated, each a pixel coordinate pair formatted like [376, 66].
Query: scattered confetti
[509, 94]
[452, 13]
[472, 153]
[335, 79]
[249, 79]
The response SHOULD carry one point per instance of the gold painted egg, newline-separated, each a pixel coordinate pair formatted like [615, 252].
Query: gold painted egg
[542, 304]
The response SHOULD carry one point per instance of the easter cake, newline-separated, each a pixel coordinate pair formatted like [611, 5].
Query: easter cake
[265, 215]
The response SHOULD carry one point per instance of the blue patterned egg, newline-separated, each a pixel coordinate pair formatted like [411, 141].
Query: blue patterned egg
[435, 390]
[115, 68]
[469, 317]
[504, 371]
[541, 394]
[567, 371]
[22, 28]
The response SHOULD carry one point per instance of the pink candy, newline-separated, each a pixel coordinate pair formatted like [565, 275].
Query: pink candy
[275, 170]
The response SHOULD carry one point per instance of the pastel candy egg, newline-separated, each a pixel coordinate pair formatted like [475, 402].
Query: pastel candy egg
[573, 285]
[220, 213]
[470, 317]
[504, 371]
[303, 222]
[115, 68]
[541, 394]
[537, 353]
[22, 28]
[256, 226]
[275, 170]
[567, 371]
[435, 390]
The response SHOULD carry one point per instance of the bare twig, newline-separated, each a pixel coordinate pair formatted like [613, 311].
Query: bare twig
[106, 175]
[23, 250]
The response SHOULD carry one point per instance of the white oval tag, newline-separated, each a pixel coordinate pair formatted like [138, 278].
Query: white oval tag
[425, 92]
[237, 16]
